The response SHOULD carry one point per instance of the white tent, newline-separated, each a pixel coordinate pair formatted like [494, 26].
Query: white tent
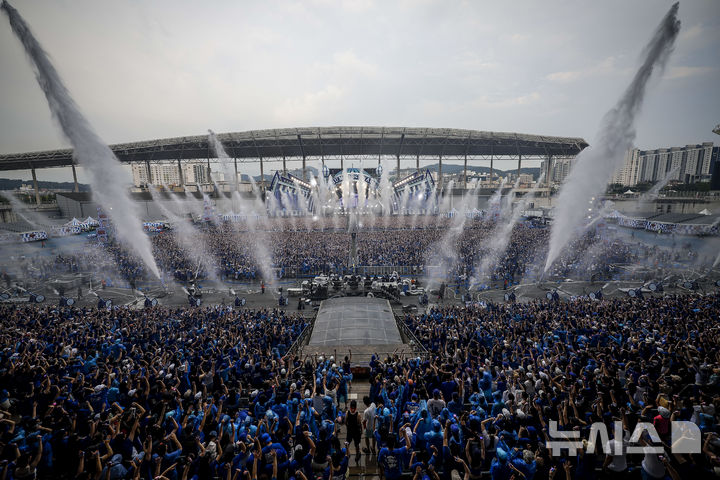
[74, 223]
[705, 212]
[629, 192]
[91, 221]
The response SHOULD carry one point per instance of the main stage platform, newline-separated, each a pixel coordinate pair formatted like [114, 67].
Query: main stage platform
[351, 321]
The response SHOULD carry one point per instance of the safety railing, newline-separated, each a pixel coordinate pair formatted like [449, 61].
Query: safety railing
[417, 346]
[364, 270]
[302, 338]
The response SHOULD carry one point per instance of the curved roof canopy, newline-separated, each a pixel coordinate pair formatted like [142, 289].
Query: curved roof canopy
[323, 142]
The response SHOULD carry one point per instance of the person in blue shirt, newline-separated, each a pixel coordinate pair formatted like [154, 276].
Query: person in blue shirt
[391, 459]
[338, 467]
[499, 469]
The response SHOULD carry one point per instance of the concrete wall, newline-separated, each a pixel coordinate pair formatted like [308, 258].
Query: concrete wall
[675, 205]
[79, 209]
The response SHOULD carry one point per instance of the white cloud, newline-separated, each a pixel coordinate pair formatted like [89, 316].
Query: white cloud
[310, 107]
[505, 102]
[328, 87]
[677, 72]
[347, 63]
[605, 67]
[691, 33]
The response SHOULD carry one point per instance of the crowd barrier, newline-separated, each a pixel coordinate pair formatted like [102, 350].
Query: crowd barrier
[364, 270]
[665, 227]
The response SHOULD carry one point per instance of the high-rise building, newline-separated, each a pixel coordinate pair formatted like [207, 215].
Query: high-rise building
[559, 169]
[688, 164]
[627, 174]
[167, 174]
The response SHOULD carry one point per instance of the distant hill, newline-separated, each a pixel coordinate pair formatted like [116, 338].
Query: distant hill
[10, 184]
[455, 169]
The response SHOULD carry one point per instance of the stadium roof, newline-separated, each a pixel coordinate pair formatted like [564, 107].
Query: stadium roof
[323, 142]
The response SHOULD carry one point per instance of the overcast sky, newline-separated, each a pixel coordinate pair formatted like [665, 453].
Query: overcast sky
[166, 68]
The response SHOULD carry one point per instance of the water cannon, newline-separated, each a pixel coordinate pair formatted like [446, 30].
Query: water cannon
[67, 302]
[596, 295]
[150, 302]
[240, 302]
[423, 299]
[655, 287]
[635, 293]
[36, 297]
[690, 285]
[104, 303]
[552, 296]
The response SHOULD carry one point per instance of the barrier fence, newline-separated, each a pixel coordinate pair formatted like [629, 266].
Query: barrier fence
[364, 270]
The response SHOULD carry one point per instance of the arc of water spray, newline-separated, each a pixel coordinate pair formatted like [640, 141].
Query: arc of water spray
[261, 253]
[500, 238]
[102, 167]
[21, 210]
[445, 251]
[655, 190]
[595, 166]
[189, 239]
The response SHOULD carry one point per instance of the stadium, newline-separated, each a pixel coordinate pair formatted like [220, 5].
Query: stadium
[376, 303]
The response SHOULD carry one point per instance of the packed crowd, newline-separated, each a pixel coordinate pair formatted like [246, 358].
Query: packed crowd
[157, 393]
[216, 393]
[508, 371]
[239, 251]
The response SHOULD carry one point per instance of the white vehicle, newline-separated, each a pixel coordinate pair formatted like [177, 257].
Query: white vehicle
[321, 280]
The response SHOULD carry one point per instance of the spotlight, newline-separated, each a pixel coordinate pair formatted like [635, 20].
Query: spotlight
[717, 283]
[36, 298]
[240, 302]
[150, 302]
[596, 295]
[4, 296]
[102, 303]
[67, 302]
[194, 302]
[655, 287]
[510, 297]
